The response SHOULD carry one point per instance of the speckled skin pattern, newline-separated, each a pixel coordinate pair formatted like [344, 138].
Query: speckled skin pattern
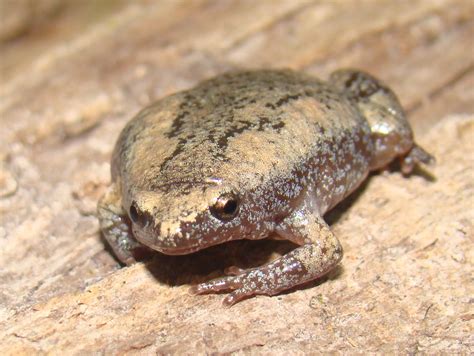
[247, 154]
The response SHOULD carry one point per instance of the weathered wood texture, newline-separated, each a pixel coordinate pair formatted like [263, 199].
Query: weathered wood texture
[405, 283]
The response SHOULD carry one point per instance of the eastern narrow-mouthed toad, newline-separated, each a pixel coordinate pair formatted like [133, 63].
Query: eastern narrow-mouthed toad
[248, 154]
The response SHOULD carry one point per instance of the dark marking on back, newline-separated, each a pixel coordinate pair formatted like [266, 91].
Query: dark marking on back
[261, 124]
[286, 99]
[177, 124]
[361, 88]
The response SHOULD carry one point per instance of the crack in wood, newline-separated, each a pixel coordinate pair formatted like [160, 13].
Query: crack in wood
[451, 24]
[267, 27]
[439, 90]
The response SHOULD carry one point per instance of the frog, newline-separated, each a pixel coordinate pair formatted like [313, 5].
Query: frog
[252, 154]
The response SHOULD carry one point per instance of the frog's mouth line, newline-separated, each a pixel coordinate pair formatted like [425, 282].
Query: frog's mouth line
[179, 251]
[176, 251]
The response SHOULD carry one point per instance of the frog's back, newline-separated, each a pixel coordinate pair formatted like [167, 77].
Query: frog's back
[243, 127]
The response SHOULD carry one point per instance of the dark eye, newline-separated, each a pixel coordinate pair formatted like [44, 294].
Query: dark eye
[137, 216]
[226, 207]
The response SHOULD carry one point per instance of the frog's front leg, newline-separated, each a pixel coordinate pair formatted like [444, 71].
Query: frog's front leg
[318, 253]
[115, 226]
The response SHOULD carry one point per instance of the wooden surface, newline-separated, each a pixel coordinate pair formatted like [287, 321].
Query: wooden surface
[69, 85]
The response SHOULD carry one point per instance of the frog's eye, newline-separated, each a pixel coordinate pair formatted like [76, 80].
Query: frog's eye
[226, 207]
[138, 217]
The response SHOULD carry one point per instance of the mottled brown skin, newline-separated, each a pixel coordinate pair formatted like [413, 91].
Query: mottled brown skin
[247, 154]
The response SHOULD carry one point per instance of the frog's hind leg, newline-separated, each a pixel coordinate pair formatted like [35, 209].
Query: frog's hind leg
[115, 227]
[320, 251]
[391, 133]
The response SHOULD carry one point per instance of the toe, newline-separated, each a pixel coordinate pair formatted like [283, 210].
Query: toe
[236, 296]
[216, 285]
